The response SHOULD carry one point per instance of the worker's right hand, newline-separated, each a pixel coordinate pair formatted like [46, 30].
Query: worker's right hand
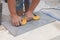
[15, 20]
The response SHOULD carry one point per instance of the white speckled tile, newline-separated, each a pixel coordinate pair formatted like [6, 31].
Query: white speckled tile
[56, 38]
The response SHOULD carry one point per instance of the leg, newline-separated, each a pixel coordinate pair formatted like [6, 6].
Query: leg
[20, 12]
[19, 7]
[27, 4]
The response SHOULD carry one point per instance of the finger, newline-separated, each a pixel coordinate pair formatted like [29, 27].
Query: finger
[17, 24]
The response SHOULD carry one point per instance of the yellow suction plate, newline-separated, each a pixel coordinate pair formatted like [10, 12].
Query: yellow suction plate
[24, 20]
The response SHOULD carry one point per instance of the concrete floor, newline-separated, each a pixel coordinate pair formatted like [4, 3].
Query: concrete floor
[46, 32]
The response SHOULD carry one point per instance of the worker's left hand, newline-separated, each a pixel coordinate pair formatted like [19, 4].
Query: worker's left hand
[29, 15]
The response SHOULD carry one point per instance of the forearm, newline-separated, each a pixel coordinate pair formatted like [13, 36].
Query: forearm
[12, 7]
[33, 5]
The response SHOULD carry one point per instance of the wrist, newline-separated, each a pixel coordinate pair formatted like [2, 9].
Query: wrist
[13, 15]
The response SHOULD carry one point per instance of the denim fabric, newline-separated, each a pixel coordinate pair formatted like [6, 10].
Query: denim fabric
[19, 4]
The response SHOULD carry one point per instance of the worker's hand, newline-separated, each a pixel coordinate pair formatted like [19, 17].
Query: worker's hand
[29, 15]
[16, 20]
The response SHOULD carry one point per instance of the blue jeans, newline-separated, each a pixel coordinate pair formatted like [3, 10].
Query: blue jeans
[19, 4]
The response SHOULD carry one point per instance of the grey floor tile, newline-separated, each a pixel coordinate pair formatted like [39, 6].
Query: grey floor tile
[15, 31]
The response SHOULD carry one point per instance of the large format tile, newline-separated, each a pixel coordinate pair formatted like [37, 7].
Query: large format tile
[44, 19]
